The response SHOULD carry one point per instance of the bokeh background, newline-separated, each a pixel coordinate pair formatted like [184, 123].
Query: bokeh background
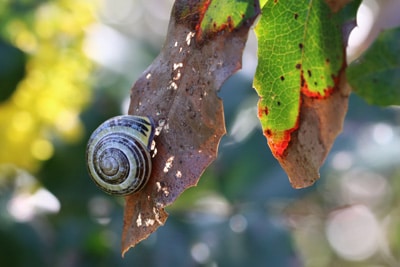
[67, 65]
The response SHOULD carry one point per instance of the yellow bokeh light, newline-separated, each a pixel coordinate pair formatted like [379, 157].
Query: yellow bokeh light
[46, 104]
[26, 41]
[48, 108]
[22, 122]
[42, 149]
[69, 126]
[45, 24]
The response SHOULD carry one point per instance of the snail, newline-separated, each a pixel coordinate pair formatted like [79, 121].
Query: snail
[118, 154]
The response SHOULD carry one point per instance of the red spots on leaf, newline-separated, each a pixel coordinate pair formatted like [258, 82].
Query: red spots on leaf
[214, 28]
[229, 25]
[317, 95]
[279, 142]
[298, 66]
[305, 90]
[278, 148]
[212, 20]
[202, 11]
[263, 112]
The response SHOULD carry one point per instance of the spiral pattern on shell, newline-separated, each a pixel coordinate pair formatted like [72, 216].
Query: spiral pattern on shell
[118, 154]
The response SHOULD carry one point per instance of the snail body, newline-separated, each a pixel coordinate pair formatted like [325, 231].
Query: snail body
[118, 154]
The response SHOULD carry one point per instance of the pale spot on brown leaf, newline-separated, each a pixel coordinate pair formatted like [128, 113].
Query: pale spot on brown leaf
[139, 220]
[168, 164]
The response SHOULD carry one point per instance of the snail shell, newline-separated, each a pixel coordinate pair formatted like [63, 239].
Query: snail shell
[118, 154]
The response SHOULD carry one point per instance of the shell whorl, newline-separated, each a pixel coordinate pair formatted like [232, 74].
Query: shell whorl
[118, 154]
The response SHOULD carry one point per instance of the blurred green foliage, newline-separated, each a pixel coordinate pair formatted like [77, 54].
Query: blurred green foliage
[12, 69]
[243, 212]
[378, 68]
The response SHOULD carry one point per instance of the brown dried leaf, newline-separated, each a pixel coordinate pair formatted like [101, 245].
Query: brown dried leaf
[179, 90]
[321, 120]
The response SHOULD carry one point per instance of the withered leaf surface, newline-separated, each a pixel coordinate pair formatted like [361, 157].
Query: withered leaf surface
[179, 91]
[320, 121]
[302, 104]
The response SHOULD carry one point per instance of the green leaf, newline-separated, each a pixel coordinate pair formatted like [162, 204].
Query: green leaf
[376, 75]
[211, 18]
[299, 52]
[220, 15]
